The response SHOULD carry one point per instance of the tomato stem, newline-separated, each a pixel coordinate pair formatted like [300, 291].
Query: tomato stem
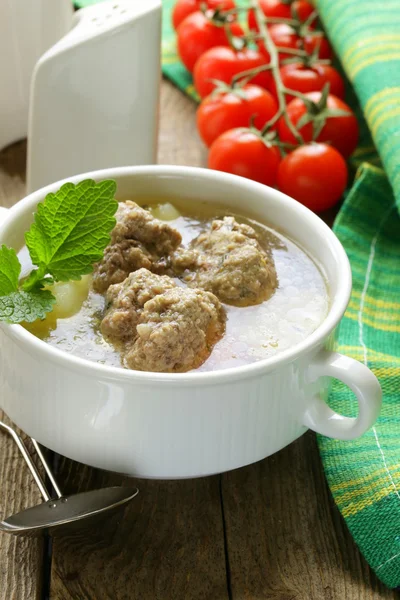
[246, 76]
[311, 19]
[271, 122]
[294, 51]
[281, 20]
[291, 92]
[274, 64]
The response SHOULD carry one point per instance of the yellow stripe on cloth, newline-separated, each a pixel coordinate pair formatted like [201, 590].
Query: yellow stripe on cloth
[375, 22]
[365, 478]
[377, 302]
[354, 508]
[360, 48]
[373, 60]
[385, 117]
[374, 322]
[380, 101]
[386, 317]
[352, 497]
[190, 89]
[357, 352]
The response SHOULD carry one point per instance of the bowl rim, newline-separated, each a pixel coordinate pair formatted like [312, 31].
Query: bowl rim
[336, 311]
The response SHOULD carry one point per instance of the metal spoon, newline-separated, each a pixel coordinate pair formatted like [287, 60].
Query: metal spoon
[55, 514]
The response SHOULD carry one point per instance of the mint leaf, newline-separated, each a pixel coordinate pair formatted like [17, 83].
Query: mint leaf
[71, 229]
[21, 306]
[69, 233]
[36, 280]
[10, 270]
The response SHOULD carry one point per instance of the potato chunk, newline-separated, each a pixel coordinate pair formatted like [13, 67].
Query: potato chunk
[165, 212]
[70, 296]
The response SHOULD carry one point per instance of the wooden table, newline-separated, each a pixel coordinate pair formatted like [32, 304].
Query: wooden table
[268, 531]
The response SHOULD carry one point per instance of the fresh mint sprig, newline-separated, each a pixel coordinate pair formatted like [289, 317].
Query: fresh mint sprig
[71, 228]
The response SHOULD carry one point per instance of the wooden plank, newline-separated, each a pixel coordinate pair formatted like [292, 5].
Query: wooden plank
[286, 539]
[170, 543]
[167, 545]
[21, 560]
[179, 142]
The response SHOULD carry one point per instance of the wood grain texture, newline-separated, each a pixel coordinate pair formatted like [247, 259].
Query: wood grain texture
[179, 142]
[20, 559]
[286, 539]
[167, 545]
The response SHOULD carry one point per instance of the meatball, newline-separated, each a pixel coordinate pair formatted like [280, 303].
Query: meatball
[137, 240]
[176, 331]
[134, 222]
[126, 300]
[159, 326]
[119, 260]
[229, 262]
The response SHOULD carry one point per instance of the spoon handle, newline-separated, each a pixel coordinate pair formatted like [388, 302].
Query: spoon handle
[32, 467]
[47, 468]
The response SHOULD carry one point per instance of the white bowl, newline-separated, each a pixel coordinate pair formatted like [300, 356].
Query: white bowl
[158, 425]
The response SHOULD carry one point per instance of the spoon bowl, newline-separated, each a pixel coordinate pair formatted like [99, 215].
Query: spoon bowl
[55, 515]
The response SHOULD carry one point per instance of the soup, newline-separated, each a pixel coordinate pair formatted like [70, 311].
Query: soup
[278, 306]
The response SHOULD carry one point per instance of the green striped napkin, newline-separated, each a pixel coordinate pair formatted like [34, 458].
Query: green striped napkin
[363, 475]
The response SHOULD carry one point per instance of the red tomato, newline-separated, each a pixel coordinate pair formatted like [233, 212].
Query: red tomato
[340, 132]
[221, 112]
[197, 33]
[312, 40]
[242, 152]
[224, 63]
[276, 8]
[296, 76]
[315, 175]
[285, 36]
[184, 8]
[304, 9]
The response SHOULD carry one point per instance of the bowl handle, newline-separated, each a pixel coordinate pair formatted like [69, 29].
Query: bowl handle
[322, 419]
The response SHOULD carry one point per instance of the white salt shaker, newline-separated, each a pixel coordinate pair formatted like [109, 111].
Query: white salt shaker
[95, 94]
[90, 82]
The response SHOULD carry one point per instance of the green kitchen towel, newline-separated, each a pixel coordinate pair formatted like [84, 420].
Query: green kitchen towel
[364, 474]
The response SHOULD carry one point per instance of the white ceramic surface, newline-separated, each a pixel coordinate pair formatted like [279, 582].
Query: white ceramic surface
[95, 94]
[27, 29]
[192, 424]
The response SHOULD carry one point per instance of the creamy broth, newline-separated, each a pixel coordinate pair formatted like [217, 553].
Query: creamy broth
[295, 310]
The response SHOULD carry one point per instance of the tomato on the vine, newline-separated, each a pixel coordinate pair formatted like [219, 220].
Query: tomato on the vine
[315, 175]
[285, 36]
[228, 110]
[184, 8]
[243, 152]
[222, 64]
[314, 40]
[300, 78]
[198, 33]
[283, 10]
[339, 131]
